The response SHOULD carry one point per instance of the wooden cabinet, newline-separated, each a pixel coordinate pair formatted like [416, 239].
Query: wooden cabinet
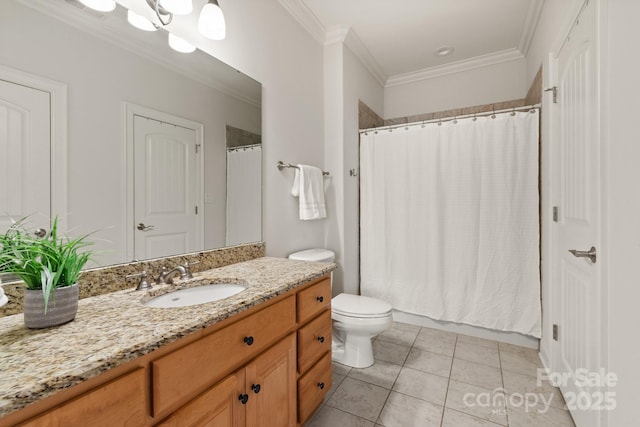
[313, 385]
[218, 406]
[314, 347]
[267, 366]
[197, 366]
[313, 300]
[120, 402]
[271, 386]
[262, 394]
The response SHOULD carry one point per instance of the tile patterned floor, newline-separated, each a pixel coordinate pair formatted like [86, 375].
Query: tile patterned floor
[425, 377]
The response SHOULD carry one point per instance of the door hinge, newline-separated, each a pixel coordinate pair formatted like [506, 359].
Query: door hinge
[555, 332]
[196, 210]
[555, 214]
[554, 90]
[197, 148]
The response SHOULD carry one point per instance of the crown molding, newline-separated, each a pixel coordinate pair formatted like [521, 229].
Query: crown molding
[306, 18]
[347, 36]
[530, 25]
[455, 67]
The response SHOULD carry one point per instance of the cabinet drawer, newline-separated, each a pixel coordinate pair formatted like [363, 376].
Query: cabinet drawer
[313, 300]
[314, 340]
[119, 402]
[191, 369]
[313, 386]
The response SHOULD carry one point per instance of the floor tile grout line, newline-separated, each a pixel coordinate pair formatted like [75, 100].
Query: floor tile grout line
[506, 410]
[446, 394]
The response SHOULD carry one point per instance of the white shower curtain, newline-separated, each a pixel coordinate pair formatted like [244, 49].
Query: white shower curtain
[449, 220]
[244, 195]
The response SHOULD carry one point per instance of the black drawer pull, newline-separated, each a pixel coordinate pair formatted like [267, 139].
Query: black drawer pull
[255, 388]
[243, 398]
[320, 386]
[320, 298]
[248, 340]
[321, 339]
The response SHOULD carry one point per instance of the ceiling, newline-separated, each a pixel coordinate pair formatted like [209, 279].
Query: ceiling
[398, 39]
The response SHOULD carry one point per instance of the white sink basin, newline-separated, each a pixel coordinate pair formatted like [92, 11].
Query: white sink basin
[196, 295]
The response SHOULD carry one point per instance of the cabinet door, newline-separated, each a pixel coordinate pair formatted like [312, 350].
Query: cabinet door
[120, 402]
[271, 386]
[217, 407]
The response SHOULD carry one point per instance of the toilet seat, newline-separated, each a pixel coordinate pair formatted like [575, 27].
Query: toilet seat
[358, 306]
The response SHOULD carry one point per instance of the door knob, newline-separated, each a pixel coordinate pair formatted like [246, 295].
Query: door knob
[591, 254]
[40, 232]
[143, 227]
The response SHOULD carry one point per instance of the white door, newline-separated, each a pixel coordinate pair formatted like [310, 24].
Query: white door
[576, 193]
[166, 188]
[25, 157]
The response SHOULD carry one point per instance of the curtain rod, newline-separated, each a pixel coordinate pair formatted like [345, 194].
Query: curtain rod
[452, 118]
[243, 147]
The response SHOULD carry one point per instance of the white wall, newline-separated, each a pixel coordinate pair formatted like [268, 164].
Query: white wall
[100, 77]
[346, 83]
[621, 230]
[485, 85]
[551, 28]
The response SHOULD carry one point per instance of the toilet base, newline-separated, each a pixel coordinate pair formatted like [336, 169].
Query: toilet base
[356, 352]
[352, 339]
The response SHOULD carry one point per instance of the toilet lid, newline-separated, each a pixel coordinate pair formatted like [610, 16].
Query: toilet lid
[357, 305]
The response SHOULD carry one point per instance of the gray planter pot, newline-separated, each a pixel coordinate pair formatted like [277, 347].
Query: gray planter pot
[62, 308]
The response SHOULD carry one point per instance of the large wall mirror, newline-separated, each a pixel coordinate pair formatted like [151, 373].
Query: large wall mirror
[162, 150]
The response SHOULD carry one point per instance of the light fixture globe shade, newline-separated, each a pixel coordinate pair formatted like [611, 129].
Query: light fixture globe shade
[178, 7]
[140, 22]
[211, 22]
[180, 45]
[100, 5]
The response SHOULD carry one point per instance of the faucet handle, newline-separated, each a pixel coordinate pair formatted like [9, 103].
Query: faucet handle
[187, 269]
[144, 284]
[163, 273]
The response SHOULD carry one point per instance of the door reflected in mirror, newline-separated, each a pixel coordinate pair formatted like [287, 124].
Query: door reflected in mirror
[106, 64]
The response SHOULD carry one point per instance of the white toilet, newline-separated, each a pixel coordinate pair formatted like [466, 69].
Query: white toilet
[356, 319]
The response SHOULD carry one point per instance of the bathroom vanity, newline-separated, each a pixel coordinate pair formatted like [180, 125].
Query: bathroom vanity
[260, 357]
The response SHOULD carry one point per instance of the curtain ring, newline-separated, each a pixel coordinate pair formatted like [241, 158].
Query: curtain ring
[513, 111]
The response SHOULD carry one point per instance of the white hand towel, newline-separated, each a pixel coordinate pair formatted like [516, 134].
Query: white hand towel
[309, 187]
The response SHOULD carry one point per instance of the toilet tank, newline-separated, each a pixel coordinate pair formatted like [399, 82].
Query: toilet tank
[318, 255]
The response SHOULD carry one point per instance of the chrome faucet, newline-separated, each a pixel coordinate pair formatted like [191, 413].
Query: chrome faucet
[166, 276]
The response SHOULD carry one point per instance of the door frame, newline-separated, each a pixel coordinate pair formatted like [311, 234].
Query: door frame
[58, 121]
[130, 111]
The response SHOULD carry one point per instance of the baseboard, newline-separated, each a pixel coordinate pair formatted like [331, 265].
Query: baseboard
[506, 337]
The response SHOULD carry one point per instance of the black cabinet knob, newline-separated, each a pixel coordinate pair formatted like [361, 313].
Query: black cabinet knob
[320, 298]
[321, 339]
[255, 388]
[243, 398]
[248, 340]
[320, 386]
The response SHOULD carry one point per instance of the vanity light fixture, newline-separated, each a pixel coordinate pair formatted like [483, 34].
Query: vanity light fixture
[180, 44]
[211, 23]
[100, 5]
[140, 22]
[178, 7]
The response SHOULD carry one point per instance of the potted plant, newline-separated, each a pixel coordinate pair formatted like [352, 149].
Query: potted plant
[49, 267]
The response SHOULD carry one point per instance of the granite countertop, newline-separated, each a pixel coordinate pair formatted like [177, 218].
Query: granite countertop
[112, 329]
